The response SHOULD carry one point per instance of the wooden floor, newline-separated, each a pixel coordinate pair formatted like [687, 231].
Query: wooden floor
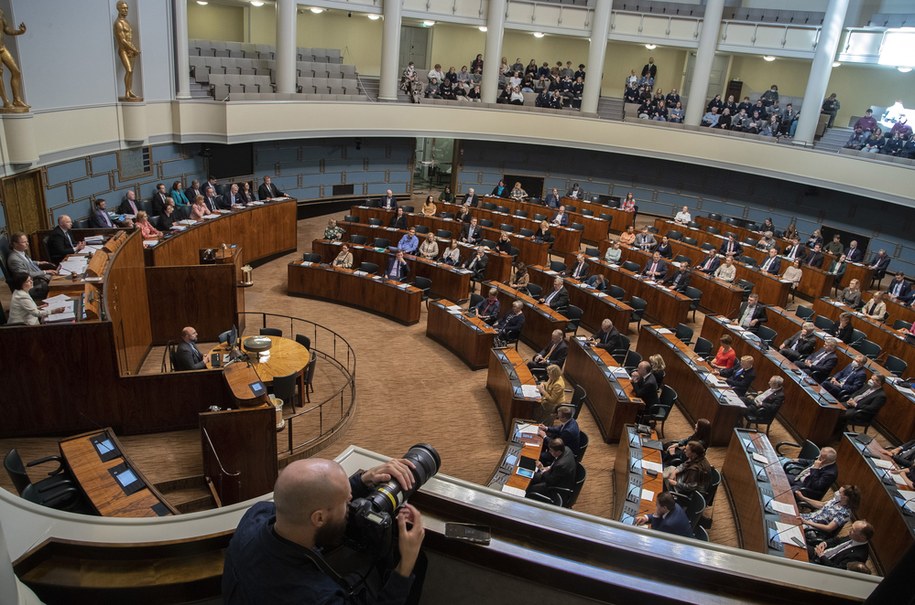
[409, 390]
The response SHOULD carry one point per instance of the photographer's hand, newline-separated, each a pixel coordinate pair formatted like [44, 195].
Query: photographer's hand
[398, 469]
[410, 539]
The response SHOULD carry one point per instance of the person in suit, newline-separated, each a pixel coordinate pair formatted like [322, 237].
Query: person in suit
[751, 314]
[389, 202]
[167, 220]
[232, 197]
[159, 200]
[655, 268]
[678, 280]
[471, 233]
[560, 219]
[848, 380]
[20, 263]
[193, 191]
[554, 353]
[731, 247]
[765, 405]
[99, 218]
[559, 473]
[399, 219]
[740, 376]
[558, 298]
[552, 199]
[575, 192]
[773, 263]
[854, 254]
[477, 264]
[645, 386]
[607, 338]
[839, 552]
[864, 403]
[795, 250]
[801, 344]
[268, 190]
[820, 364]
[567, 430]
[177, 194]
[903, 455]
[580, 270]
[812, 478]
[488, 308]
[645, 240]
[187, 355]
[129, 205]
[510, 325]
[880, 263]
[398, 269]
[61, 241]
[213, 182]
[837, 270]
[815, 257]
[669, 517]
[709, 263]
[210, 200]
[899, 289]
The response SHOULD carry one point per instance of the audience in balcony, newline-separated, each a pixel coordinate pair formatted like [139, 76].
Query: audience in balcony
[867, 123]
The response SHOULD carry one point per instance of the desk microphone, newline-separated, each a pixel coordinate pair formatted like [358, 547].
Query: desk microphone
[776, 497]
[886, 479]
[766, 479]
[793, 539]
[904, 507]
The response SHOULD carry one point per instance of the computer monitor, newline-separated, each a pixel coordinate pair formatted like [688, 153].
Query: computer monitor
[229, 337]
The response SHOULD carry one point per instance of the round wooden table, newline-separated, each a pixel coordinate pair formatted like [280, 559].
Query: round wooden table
[286, 357]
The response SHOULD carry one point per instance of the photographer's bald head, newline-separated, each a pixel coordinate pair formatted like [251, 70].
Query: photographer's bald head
[311, 497]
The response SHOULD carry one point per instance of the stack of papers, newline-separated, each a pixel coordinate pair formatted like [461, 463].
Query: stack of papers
[64, 306]
[789, 534]
[187, 221]
[620, 372]
[651, 466]
[210, 216]
[177, 227]
[530, 391]
[94, 239]
[514, 491]
[149, 243]
[262, 203]
[760, 458]
[781, 507]
[647, 494]
[909, 497]
[73, 265]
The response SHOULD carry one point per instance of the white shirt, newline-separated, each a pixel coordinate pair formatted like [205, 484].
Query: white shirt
[683, 217]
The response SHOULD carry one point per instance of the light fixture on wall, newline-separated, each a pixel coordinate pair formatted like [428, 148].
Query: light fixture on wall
[483, 29]
[768, 58]
[316, 10]
[257, 3]
[428, 23]
[374, 17]
[903, 69]
[539, 35]
[651, 46]
[202, 2]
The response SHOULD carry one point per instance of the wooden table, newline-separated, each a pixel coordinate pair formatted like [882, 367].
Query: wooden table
[610, 396]
[539, 319]
[636, 485]
[507, 373]
[447, 281]
[286, 357]
[664, 305]
[527, 445]
[890, 341]
[699, 394]
[596, 306]
[470, 338]
[881, 504]
[810, 411]
[396, 301]
[94, 476]
[754, 479]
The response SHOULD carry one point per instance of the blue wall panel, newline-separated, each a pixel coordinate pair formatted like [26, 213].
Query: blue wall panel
[66, 171]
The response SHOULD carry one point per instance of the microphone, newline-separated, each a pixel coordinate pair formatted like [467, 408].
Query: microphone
[776, 497]
[903, 506]
[766, 479]
[794, 540]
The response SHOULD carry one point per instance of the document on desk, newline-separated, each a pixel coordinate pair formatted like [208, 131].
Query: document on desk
[652, 466]
[883, 463]
[550, 272]
[94, 239]
[514, 491]
[210, 216]
[72, 265]
[179, 227]
[530, 391]
[403, 286]
[65, 315]
[908, 497]
[56, 301]
[781, 507]
[262, 203]
[528, 428]
[91, 248]
[664, 331]
[789, 534]
[760, 458]
[647, 494]
[619, 372]
[149, 243]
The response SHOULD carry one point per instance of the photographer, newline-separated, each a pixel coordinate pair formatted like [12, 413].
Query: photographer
[276, 555]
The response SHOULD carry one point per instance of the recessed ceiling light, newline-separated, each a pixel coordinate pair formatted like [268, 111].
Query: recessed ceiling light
[428, 23]
[256, 3]
[837, 64]
[316, 10]
[202, 2]
[651, 46]
[539, 34]
[903, 70]
[483, 29]
[768, 58]
[374, 17]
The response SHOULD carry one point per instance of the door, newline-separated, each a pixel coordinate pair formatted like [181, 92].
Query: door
[23, 202]
[414, 44]
[716, 84]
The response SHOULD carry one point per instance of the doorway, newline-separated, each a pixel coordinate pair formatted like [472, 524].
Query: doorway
[432, 166]
[24, 203]
[414, 46]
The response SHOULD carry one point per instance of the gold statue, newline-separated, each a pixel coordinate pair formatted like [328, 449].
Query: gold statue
[123, 37]
[18, 105]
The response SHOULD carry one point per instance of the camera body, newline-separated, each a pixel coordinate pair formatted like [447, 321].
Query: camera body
[370, 521]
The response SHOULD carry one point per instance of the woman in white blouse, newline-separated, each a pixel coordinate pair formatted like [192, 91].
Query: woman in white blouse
[429, 247]
[23, 309]
[683, 216]
[875, 307]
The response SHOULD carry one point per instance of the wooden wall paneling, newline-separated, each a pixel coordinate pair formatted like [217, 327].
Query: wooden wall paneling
[165, 402]
[127, 304]
[203, 296]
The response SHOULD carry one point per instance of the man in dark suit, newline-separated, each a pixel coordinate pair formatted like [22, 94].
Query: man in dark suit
[552, 199]
[854, 254]
[213, 182]
[765, 406]
[820, 364]
[188, 356]
[607, 338]
[561, 218]
[512, 322]
[645, 385]
[899, 288]
[678, 280]
[669, 517]
[740, 376]
[159, 200]
[213, 203]
[709, 263]
[471, 199]
[812, 478]
[129, 205]
[554, 353]
[580, 270]
[99, 218]
[477, 263]
[903, 455]
[398, 270]
[839, 552]
[268, 190]
[751, 314]
[232, 197]
[193, 191]
[815, 257]
[389, 202]
[655, 268]
[848, 380]
[731, 247]
[61, 242]
[880, 263]
[19, 261]
[567, 430]
[864, 403]
[471, 233]
[772, 264]
[795, 251]
[801, 344]
[558, 298]
[559, 473]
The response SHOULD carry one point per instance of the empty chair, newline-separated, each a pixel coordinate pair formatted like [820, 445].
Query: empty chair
[689, 240]
[424, 284]
[488, 206]
[421, 229]
[507, 228]
[443, 234]
[747, 260]
[57, 490]
[713, 230]
[557, 266]
[901, 324]
[582, 442]
[574, 315]
[310, 377]
[616, 292]
[856, 336]
[747, 287]
[674, 234]
[569, 497]
[700, 533]
[707, 246]
[488, 243]
[638, 310]
[271, 332]
[682, 258]
[587, 212]
[766, 333]
[695, 295]
[868, 348]
[895, 365]
[375, 222]
[381, 242]
[577, 226]
[526, 232]
[822, 322]
[303, 340]
[631, 266]
[619, 355]
[446, 215]
[502, 209]
[368, 267]
[804, 312]
[606, 217]
[485, 222]
[311, 257]
[284, 388]
[521, 213]
[358, 239]
[539, 217]
[409, 209]
[349, 218]
[571, 208]
[660, 412]
[534, 290]
[704, 348]
[684, 333]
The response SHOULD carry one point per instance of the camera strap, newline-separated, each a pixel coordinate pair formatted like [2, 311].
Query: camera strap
[352, 591]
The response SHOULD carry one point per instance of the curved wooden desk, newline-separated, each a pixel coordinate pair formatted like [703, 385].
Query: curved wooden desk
[507, 373]
[520, 445]
[596, 306]
[286, 356]
[664, 305]
[595, 227]
[539, 319]
[635, 490]
[470, 338]
[399, 302]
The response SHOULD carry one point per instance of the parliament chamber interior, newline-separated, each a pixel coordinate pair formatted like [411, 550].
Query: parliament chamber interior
[169, 350]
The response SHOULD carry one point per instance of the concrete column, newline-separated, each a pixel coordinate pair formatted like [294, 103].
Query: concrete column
[285, 46]
[820, 71]
[492, 56]
[182, 65]
[708, 41]
[597, 51]
[390, 51]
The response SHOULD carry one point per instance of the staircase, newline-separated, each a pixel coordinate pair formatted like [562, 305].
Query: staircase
[610, 108]
[370, 86]
[199, 91]
[833, 139]
[188, 494]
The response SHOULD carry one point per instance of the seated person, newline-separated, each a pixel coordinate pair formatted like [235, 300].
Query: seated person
[710, 263]
[848, 380]
[839, 552]
[765, 405]
[61, 241]
[801, 344]
[645, 240]
[146, 228]
[673, 453]
[793, 274]
[812, 478]
[669, 517]
[554, 353]
[429, 248]
[598, 282]
[767, 242]
[820, 364]
[864, 403]
[655, 268]
[731, 247]
[613, 253]
[344, 259]
[398, 270]
[693, 474]
[628, 236]
[645, 386]
[741, 376]
[579, 270]
[518, 193]
[187, 355]
[678, 280]
[23, 309]
[567, 430]
[815, 257]
[488, 308]
[472, 233]
[683, 217]
[409, 243]
[504, 245]
[851, 295]
[199, 209]
[543, 234]
[899, 289]
[558, 297]
[903, 455]
[875, 307]
[561, 218]
[752, 314]
[664, 248]
[509, 327]
[772, 264]
[725, 357]
[842, 329]
[831, 515]
[476, 264]
[552, 392]
[559, 473]
[452, 254]
[333, 232]
[99, 218]
[399, 220]
[607, 338]
[726, 271]
[520, 277]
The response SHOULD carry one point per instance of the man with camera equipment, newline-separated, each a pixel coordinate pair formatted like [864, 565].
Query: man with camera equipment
[277, 554]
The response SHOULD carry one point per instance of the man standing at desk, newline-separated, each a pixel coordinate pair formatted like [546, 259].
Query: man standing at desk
[188, 356]
[397, 268]
[60, 242]
[751, 314]
[268, 190]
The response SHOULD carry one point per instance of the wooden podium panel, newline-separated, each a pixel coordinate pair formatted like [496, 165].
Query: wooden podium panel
[596, 306]
[539, 319]
[507, 372]
[470, 338]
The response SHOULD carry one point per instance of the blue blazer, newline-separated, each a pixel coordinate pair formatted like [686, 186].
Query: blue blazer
[855, 378]
[570, 433]
[676, 522]
[564, 221]
[774, 267]
[404, 270]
